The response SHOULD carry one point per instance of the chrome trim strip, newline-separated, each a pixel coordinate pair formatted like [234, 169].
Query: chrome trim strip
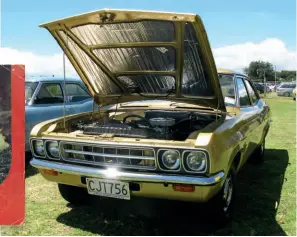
[109, 155]
[127, 176]
[121, 144]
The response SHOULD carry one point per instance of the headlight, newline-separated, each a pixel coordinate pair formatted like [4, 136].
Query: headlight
[38, 147]
[195, 161]
[53, 149]
[171, 159]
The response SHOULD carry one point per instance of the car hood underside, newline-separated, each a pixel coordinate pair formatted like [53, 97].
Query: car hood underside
[125, 56]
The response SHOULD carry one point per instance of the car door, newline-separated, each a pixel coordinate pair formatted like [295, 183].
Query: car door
[261, 110]
[78, 98]
[250, 117]
[47, 104]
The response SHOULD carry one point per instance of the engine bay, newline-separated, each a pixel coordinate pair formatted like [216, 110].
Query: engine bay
[153, 124]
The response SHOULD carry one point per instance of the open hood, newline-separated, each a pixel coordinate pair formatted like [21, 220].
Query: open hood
[125, 56]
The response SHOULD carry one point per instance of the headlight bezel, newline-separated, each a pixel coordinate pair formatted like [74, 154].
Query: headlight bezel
[33, 149]
[160, 164]
[185, 165]
[48, 153]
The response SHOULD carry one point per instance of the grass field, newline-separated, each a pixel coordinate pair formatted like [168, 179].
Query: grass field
[266, 202]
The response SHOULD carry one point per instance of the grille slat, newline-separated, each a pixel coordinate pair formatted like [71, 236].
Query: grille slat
[124, 157]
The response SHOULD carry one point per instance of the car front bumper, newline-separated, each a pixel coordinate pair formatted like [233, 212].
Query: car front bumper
[151, 185]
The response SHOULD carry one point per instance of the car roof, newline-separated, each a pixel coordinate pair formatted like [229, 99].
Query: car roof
[228, 71]
[51, 79]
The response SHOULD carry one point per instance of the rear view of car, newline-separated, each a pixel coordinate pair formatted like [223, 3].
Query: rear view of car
[286, 89]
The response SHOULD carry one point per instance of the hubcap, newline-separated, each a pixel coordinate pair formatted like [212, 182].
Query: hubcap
[228, 191]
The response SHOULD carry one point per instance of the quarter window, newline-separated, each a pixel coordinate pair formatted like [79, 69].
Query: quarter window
[49, 93]
[243, 96]
[227, 86]
[251, 91]
[76, 93]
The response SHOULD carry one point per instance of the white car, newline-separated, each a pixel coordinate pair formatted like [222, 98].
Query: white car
[285, 89]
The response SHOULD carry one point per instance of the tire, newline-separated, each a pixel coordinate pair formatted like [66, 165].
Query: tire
[221, 207]
[258, 155]
[74, 195]
[286, 94]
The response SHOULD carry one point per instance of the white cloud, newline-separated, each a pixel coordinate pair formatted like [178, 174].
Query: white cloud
[37, 64]
[234, 57]
[238, 56]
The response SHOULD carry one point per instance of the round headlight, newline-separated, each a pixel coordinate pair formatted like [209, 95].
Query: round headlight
[53, 149]
[171, 159]
[38, 147]
[196, 161]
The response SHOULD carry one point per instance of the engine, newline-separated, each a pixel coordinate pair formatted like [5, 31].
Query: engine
[166, 125]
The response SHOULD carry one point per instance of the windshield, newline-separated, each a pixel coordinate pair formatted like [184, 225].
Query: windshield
[29, 90]
[140, 69]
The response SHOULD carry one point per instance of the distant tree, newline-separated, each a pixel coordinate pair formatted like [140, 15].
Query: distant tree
[256, 69]
[286, 75]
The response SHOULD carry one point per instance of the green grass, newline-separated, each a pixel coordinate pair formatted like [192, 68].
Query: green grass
[266, 201]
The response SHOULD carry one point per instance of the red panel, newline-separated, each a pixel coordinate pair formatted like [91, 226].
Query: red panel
[12, 190]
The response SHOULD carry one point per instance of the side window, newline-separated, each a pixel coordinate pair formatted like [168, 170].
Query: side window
[49, 93]
[227, 86]
[251, 91]
[76, 93]
[243, 96]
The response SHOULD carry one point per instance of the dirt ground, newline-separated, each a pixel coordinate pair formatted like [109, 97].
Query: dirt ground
[5, 161]
[5, 141]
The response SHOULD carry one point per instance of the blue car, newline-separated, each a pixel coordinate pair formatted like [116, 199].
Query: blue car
[44, 98]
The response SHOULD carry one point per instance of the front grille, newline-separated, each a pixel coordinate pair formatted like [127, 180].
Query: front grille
[111, 156]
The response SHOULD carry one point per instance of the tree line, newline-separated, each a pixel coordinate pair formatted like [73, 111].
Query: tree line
[256, 70]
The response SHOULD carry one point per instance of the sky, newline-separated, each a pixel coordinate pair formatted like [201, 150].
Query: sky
[239, 31]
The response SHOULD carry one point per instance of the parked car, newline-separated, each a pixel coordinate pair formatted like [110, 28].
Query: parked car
[45, 100]
[294, 94]
[260, 88]
[285, 89]
[171, 133]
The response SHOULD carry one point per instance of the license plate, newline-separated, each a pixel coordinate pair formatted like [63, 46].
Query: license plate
[108, 188]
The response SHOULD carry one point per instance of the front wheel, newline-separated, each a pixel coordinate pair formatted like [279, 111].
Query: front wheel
[221, 207]
[74, 195]
[286, 94]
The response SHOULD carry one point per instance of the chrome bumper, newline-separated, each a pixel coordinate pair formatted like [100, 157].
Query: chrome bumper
[112, 173]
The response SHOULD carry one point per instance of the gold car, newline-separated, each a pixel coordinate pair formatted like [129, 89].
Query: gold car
[169, 126]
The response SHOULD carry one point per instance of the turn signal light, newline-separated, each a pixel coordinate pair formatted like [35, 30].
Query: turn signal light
[183, 187]
[51, 172]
